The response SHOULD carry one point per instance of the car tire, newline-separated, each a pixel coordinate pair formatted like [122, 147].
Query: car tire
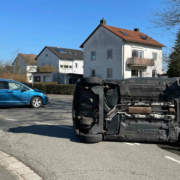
[36, 102]
[90, 80]
[76, 130]
[90, 138]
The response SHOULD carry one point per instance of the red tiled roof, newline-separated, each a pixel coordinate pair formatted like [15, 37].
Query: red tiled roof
[132, 36]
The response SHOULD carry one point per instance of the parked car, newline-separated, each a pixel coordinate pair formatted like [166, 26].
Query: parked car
[13, 93]
[135, 109]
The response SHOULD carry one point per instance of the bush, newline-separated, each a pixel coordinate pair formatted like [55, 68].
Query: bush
[53, 88]
[60, 89]
[46, 82]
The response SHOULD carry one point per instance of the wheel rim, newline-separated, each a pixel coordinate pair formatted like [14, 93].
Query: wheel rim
[36, 102]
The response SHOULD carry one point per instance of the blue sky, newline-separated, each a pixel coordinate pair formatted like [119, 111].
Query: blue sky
[29, 25]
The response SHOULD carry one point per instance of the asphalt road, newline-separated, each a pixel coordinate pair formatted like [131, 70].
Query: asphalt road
[44, 139]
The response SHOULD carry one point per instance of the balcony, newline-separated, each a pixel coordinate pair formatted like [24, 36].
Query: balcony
[140, 62]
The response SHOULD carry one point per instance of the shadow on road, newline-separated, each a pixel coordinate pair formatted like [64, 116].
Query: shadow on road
[172, 148]
[48, 130]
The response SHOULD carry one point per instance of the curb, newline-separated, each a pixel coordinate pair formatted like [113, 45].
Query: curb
[18, 169]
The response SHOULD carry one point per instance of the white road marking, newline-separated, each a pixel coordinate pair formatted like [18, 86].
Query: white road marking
[136, 143]
[131, 144]
[44, 123]
[67, 111]
[168, 157]
[11, 120]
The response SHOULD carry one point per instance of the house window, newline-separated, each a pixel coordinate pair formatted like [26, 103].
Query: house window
[46, 55]
[134, 73]
[93, 55]
[70, 66]
[109, 73]
[109, 53]
[153, 73]
[136, 53]
[65, 66]
[93, 73]
[76, 65]
[154, 56]
[61, 66]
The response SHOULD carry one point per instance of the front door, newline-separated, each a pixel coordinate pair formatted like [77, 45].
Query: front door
[17, 96]
[37, 78]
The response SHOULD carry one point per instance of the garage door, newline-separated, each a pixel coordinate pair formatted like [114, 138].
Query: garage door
[47, 79]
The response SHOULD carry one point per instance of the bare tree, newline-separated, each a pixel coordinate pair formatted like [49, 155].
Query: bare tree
[168, 16]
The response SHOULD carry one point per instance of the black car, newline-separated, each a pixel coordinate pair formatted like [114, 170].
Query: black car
[136, 109]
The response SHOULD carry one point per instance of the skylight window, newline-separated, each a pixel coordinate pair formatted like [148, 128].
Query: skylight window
[143, 37]
[74, 53]
[124, 33]
[61, 50]
[69, 52]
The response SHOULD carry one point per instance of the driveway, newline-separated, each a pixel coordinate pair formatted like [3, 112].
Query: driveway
[44, 140]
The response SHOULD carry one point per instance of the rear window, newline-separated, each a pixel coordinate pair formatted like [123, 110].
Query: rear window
[4, 85]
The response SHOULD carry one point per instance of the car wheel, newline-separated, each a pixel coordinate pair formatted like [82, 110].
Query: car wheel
[90, 138]
[36, 102]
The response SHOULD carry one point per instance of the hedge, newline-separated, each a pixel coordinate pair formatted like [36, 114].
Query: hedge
[60, 89]
[53, 88]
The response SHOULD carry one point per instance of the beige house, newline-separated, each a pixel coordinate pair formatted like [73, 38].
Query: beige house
[25, 64]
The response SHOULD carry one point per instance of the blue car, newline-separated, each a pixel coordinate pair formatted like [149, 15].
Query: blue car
[13, 93]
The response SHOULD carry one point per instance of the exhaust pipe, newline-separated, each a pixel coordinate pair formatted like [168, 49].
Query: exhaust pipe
[140, 110]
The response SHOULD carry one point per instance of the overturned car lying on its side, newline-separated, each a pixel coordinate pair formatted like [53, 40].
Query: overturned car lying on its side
[136, 109]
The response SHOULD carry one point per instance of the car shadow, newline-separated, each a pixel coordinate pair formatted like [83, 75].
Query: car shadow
[172, 148]
[58, 131]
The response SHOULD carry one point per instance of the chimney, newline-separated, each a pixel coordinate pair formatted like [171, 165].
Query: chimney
[136, 29]
[103, 21]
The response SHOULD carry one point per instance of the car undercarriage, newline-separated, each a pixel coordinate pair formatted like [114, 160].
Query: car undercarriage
[136, 109]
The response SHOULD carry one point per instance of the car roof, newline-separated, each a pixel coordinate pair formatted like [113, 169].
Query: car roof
[7, 80]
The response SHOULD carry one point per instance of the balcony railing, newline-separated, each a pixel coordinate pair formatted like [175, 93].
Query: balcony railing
[134, 61]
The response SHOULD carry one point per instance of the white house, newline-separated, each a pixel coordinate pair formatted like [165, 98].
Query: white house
[25, 64]
[116, 53]
[68, 65]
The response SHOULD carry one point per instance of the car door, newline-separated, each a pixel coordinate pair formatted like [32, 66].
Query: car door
[17, 96]
[4, 93]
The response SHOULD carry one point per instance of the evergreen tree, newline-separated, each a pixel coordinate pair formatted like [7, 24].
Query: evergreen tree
[174, 59]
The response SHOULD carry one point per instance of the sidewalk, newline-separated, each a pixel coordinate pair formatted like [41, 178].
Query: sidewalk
[5, 175]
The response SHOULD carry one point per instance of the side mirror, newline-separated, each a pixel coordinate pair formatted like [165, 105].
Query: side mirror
[24, 89]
